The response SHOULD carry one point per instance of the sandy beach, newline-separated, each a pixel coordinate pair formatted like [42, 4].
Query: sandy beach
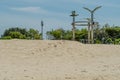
[58, 60]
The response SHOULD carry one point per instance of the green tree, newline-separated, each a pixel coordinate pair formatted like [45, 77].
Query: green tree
[33, 34]
[56, 34]
[16, 29]
[113, 32]
[17, 35]
[21, 33]
[81, 34]
[67, 34]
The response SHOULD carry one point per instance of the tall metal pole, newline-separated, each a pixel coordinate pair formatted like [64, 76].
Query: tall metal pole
[92, 21]
[73, 23]
[42, 24]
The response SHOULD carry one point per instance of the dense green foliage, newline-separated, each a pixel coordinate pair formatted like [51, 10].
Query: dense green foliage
[21, 33]
[59, 34]
[104, 35]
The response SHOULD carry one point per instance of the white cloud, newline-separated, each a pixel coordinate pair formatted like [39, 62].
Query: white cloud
[29, 9]
[40, 11]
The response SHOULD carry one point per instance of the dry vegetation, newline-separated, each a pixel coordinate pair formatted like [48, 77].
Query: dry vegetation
[58, 60]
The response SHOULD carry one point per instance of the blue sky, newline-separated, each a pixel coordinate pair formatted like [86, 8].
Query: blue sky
[54, 13]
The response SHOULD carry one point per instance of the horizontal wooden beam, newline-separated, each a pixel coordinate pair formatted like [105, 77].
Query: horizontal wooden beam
[81, 21]
[81, 25]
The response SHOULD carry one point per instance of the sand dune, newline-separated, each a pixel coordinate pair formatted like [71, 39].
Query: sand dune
[58, 60]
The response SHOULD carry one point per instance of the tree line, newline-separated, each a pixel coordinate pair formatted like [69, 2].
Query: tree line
[21, 33]
[102, 35]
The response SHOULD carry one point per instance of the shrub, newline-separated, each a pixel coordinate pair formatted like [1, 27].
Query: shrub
[6, 37]
[117, 41]
[97, 41]
[109, 41]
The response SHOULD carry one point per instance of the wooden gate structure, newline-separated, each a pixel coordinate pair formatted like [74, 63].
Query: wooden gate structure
[84, 23]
